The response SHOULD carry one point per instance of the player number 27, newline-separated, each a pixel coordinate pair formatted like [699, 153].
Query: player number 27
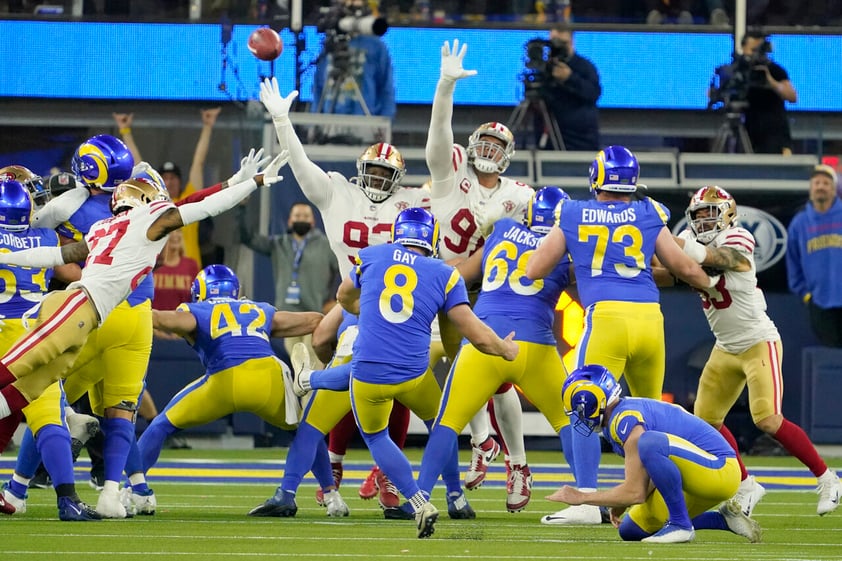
[627, 235]
[223, 321]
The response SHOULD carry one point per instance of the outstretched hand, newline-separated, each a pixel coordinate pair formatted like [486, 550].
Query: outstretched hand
[485, 216]
[250, 166]
[277, 105]
[271, 174]
[451, 62]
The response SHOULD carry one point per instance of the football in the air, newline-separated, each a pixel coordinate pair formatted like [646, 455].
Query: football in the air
[265, 43]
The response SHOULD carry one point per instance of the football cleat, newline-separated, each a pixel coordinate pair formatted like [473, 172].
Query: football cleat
[72, 509]
[389, 497]
[518, 488]
[336, 507]
[458, 507]
[749, 494]
[110, 505]
[481, 456]
[738, 522]
[82, 428]
[829, 490]
[368, 488]
[143, 503]
[302, 362]
[671, 533]
[96, 482]
[425, 519]
[336, 468]
[281, 504]
[579, 515]
[403, 512]
[41, 479]
[12, 498]
[5, 507]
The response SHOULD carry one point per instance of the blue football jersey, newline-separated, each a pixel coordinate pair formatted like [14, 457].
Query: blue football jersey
[94, 209]
[23, 287]
[664, 417]
[229, 331]
[400, 294]
[612, 243]
[509, 300]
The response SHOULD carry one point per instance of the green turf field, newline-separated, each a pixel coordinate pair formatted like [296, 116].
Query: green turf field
[206, 521]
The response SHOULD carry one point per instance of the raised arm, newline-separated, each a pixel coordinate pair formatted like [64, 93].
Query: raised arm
[180, 323]
[480, 335]
[197, 168]
[124, 126]
[314, 182]
[294, 324]
[439, 147]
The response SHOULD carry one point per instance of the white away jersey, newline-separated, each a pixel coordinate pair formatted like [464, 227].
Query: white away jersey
[120, 256]
[353, 222]
[736, 307]
[460, 236]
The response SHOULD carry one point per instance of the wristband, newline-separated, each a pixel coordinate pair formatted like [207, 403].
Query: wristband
[696, 251]
[126, 130]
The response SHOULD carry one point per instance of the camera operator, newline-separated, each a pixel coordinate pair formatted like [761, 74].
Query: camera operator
[353, 53]
[764, 86]
[570, 91]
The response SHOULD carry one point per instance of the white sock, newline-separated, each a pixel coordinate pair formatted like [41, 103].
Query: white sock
[336, 458]
[110, 486]
[21, 479]
[479, 427]
[509, 415]
[137, 479]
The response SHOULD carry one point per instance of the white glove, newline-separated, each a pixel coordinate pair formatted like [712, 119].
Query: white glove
[451, 62]
[271, 174]
[485, 215]
[275, 104]
[249, 166]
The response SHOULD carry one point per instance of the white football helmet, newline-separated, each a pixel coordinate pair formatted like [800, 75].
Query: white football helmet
[721, 213]
[487, 156]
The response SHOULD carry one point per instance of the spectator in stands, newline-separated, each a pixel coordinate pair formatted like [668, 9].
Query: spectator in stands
[660, 11]
[305, 267]
[172, 173]
[173, 277]
[814, 256]
[721, 11]
[571, 93]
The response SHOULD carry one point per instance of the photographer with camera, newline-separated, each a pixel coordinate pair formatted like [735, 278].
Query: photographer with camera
[758, 87]
[354, 70]
[569, 85]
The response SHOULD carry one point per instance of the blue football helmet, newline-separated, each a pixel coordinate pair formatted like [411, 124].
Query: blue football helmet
[541, 211]
[143, 170]
[417, 227]
[215, 281]
[15, 206]
[102, 161]
[34, 183]
[586, 393]
[615, 169]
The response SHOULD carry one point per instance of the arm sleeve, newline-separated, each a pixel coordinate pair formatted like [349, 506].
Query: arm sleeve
[197, 196]
[39, 257]
[60, 209]
[216, 203]
[314, 182]
[439, 149]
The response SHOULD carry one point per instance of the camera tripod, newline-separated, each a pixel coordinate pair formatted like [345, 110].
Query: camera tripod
[732, 135]
[339, 79]
[533, 108]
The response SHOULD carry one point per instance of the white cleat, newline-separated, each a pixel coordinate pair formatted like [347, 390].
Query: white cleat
[336, 506]
[425, 520]
[749, 493]
[110, 505]
[302, 363]
[15, 501]
[135, 503]
[829, 490]
[738, 522]
[481, 456]
[671, 534]
[579, 515]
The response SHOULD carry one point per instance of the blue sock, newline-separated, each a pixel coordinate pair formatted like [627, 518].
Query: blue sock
[28, 456]
[135, 465]
[119, 434]
[710, 520]
[53, 443]
[152, 440]
[437, 455]
[321, 465]
[587, 453]
[654, 450]
[392, 461]
[337, 378]
[300, 457]
[630, 531]
[566, 436]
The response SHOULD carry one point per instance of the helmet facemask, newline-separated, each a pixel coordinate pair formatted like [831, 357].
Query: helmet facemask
[380, 171]
[718, 209]
[488, 156]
